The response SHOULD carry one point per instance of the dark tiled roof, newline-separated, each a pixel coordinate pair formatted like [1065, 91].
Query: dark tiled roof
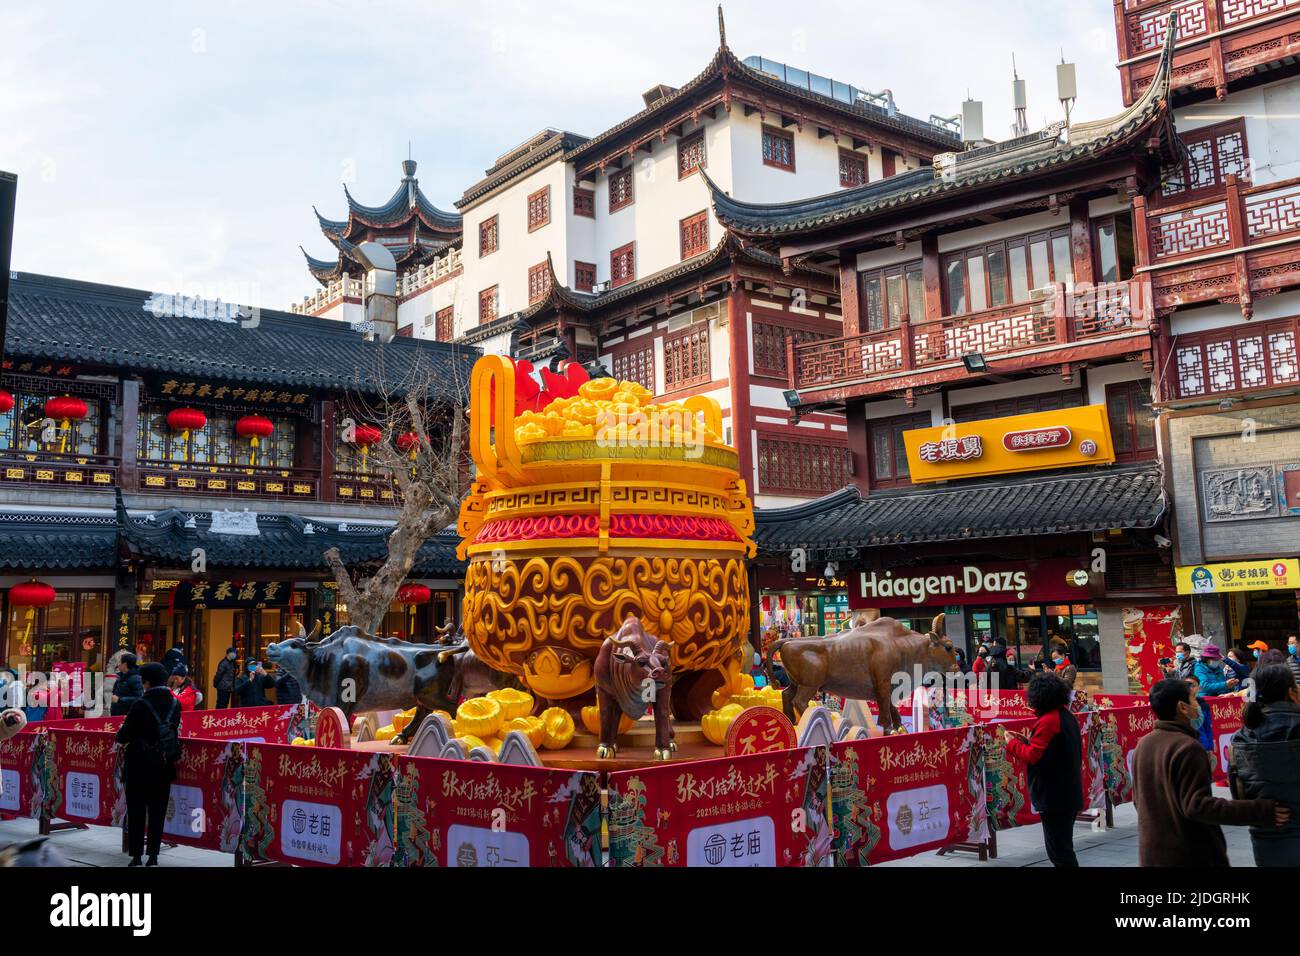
[96, 325]
[1046, 504]
[541, 147]
[405, 257]
[284, 541]
[398, 210]
[1043, 152]
[30, 542]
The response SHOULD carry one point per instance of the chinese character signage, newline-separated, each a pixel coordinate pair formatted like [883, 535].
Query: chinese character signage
[998, 446]
[766, 809]
[1274, 574]
[224, 595]
[172, 388]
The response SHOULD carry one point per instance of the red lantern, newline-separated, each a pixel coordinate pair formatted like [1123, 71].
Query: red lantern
[413, 594]
[66, 409]
[32, 593]
[186, 420]
[6, 401]
[407, 441]
[254, 428]
[366, 435]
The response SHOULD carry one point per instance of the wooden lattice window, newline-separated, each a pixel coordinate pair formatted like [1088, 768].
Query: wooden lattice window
[539, 282]
[487, 305]
[23, 426]
[622, 265]
[769, 346]
[445, 324]
[584, 276]
[886, 450]
[216, 443]
[889, 294]
[584, 203]
[539, 208]
[1128, 405]
[803, 467]
[488, 236]
[778, 148]
[695, 234]
[635, 366]
[853, 169]
[690, 154]
[1213, 153]
[686, 357]
[621, 192]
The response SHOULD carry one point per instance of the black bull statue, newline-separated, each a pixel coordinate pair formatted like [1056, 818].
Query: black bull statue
[357, 672]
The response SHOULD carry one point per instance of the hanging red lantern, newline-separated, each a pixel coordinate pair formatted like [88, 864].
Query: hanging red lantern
[32, 593]
[186, 420]
[408, 442]
[6, 401]
[366, 435]
[254, 428]
[65, 409]
[413, 593]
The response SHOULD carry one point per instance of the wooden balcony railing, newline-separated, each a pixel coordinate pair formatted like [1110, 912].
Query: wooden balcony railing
[1055, 317]
[45, 469]
[1238, 218]
[1237, 359]
[228, 481]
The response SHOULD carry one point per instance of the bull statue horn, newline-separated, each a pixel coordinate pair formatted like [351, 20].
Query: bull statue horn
[315, 631]
[938, 625]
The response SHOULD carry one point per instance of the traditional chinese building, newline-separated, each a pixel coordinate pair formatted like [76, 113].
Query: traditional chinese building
[1219, 242]
[176, 470]
[995, 376]
[604, 249]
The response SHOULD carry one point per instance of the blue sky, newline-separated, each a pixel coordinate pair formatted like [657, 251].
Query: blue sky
[180, 146]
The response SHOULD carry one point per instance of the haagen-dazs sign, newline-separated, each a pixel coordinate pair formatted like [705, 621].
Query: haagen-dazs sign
[1058, 580]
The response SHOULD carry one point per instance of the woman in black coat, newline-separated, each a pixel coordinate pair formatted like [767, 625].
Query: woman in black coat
[148, 775]
[1266, 762]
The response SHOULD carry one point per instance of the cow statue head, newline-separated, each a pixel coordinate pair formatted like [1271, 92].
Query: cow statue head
[940, 655]
[633, 671]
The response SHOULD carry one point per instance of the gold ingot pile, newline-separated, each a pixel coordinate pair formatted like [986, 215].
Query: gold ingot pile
[604, 408]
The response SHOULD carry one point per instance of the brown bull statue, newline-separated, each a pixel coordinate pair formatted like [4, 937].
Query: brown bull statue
[861, 664]
[633, 671]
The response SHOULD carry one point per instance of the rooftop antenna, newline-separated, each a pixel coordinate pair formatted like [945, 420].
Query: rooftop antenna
[972, 121]
[1067, 90]
[1020, 127]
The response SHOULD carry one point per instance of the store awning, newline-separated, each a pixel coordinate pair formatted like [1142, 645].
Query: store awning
[1116, 498]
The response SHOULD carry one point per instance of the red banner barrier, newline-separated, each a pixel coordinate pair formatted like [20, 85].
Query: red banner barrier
[1225, 720]
[896, 796]
[75, 723]
[757, 810]
[1006, 780]
[1120, 730]
[206, 806]
[84, 782]
[318, 808]
[467, 813]
[272, 724]
[22, 759]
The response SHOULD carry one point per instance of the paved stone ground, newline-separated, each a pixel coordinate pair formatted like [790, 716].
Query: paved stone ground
[101, 846]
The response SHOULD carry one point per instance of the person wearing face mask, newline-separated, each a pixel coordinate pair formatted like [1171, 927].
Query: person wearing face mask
[1183, 665]
[1215, 679]
[128, 688]
[1062, 667]
[1236, 661]
[1293, 656]
[224, 681]
[1265, 755]
[1179, 818]
[1203, 729]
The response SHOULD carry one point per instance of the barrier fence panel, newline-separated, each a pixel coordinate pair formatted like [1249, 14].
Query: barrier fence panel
[1226, 718]
[20, 758]
[1006, 780]
[466, 813]
[897, 796]
[767, 809]
[206, 808]
[316, 807]
[83, 779]
[1119, 731]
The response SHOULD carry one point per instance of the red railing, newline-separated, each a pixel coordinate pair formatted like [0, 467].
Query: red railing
[1241, 358]
[1056, 318]
[1238, 218]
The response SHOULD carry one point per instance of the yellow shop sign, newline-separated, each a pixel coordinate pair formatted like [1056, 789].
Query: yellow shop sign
[1277, 574]
[999, 446]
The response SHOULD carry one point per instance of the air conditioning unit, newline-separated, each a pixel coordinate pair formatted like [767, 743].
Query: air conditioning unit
[598, 287]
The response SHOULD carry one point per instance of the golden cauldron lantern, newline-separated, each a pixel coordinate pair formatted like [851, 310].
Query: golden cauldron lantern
[594, 506]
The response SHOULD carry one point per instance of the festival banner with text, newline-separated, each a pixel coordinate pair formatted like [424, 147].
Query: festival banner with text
[1120, 730]
[21, 760]
[1006, 780]
[897, 796]
[464, 813]
[206, 806]
[1226, 715]
[315, 807]
[766, 809]
[85, 779]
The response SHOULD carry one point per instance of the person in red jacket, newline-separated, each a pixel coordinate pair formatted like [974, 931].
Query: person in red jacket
[1053, 753]
[183, 689]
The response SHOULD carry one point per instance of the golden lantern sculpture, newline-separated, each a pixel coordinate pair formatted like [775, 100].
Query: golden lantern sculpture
[589, 506]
